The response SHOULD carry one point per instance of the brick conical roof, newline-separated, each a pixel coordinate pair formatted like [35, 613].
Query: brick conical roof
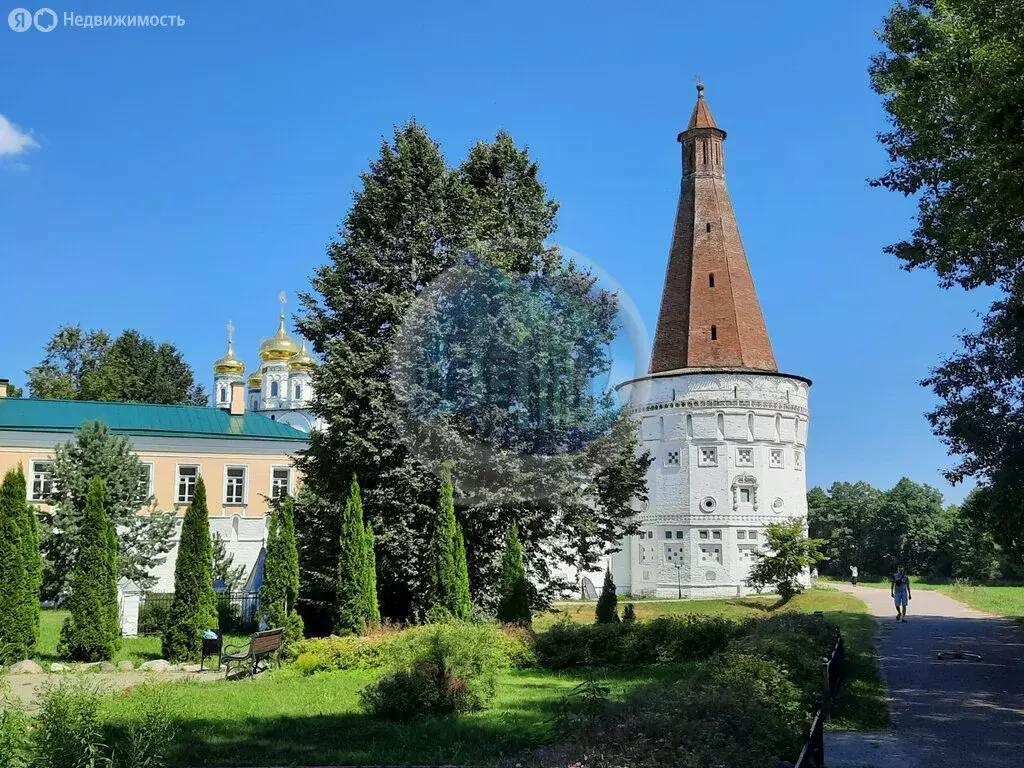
[710, 316]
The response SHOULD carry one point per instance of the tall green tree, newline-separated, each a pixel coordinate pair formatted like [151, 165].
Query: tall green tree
[789, 554]
[90, 631]
[950, 80]
[449, 583]
[280, 590]
[355, 611]
[19, 594]
[87, 365]
[194, 608]
[13, 391]
[414, 220]
[607, 609]
[370, 575]
[145, 539]
[911, 527]
[846, 518]
[514, 600]
[17, 500]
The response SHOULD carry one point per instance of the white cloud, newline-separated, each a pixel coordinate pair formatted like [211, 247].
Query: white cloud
[12, 140]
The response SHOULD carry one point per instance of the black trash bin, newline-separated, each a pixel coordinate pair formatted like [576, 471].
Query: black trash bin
[211, 647]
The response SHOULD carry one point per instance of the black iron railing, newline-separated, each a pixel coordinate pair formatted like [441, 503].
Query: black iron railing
[237, 612]
[813, 753]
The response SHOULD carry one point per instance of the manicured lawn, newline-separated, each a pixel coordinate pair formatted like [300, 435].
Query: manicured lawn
[863, 705]
[282, 718]
[134, 649]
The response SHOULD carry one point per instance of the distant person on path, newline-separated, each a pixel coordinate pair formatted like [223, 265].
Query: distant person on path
[900, 593]
[853, 574]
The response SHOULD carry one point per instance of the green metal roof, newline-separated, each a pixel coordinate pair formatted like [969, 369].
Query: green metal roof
[31, 415]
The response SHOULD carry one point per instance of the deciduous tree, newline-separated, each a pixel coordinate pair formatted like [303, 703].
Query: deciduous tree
[789, 554]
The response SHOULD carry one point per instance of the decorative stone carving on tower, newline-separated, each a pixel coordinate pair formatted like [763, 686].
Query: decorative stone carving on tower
[727, 431]
[710, 315]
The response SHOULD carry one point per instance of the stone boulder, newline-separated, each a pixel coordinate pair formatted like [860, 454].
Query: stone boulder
[58, 667]
[26, 667]
[125, 666]
[157, 665]
[106, 666]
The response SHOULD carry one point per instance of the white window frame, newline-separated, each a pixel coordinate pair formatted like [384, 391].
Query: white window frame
[32, 479]
[245, 485]
[798, 460]
[772, 453]
[703, 462]
[177, 483]
[676, 453]
[291, 476]
[149, 487]
[744, 452]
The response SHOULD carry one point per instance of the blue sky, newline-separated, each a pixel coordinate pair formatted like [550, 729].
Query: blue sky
[172, 179]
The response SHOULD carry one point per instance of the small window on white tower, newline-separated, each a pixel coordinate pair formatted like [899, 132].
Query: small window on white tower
[702, 534]
[741, 535]
[716, 535]
[708, 457]
[273, 389]
[668, 534]
[775, 458]
[745, 495]
[744, 457]
[223, 394]
[672, 459]
[798, 460]
[298, 391]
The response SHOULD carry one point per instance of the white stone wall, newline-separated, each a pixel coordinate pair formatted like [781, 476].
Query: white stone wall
[729, 458]
[243, 538]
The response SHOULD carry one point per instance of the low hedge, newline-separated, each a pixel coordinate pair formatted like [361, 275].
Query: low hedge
[663, 640]
[378, 650]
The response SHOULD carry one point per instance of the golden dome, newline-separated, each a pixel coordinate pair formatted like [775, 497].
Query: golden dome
[302, 361]
[280, 346]
[229, 363]
[256, 379]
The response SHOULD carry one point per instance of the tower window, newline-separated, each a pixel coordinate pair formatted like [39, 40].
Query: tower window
[708, 226]
[714, 333]
[298, 391]
[273, 389]
[223, 394]
[711, 279]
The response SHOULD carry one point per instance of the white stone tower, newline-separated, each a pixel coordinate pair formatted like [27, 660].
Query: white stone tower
[227, 370]
[727, 431]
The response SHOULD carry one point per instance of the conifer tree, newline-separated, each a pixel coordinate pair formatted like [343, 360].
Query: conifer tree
[18, 606]
[280, 590]
[30, 533]
[373, 606]
[608, 602]
[194, 608]
[90, 632]
[353, 609]
[514, 597]
[449, 578]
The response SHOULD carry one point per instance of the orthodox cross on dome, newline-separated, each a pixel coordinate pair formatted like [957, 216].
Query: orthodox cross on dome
[231, 332]
[283, 298]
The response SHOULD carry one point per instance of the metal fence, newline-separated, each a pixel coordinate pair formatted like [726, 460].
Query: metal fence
[237, 612]
[813, 753]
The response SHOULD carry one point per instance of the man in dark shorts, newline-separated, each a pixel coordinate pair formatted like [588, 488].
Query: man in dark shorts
[900, 593]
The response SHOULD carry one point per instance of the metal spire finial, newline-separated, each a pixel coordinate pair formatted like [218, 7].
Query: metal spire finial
[283, 298]
[700, 86]
[231, 333]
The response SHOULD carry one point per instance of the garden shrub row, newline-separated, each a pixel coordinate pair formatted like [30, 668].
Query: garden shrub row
[383, 648]
[748, 706]
[663, 640]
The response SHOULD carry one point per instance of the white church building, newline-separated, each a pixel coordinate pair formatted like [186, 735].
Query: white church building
[727, 430]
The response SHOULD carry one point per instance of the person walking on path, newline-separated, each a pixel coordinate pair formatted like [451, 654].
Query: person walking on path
[853, 575]
[900, 593]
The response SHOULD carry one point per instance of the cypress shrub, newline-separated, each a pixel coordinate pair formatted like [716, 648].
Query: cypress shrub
[19, 607]
[354, 612]
[30, 538]
[194, 608]
[280, 589]
[514, 590]
[90, 632]
[449, 578]
[607, 604]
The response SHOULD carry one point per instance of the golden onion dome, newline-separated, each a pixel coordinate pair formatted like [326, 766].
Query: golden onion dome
[280, 346]
[302, 361]
[229, 363]
[256, 380]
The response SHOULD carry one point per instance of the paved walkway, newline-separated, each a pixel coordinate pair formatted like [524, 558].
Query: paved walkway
[945, 713]
[27, 687]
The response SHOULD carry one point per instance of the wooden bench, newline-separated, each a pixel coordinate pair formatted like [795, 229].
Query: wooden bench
[261, 646]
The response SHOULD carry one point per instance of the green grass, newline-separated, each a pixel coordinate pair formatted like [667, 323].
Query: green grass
[863, 706]
[282, 718]
[135, 649]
